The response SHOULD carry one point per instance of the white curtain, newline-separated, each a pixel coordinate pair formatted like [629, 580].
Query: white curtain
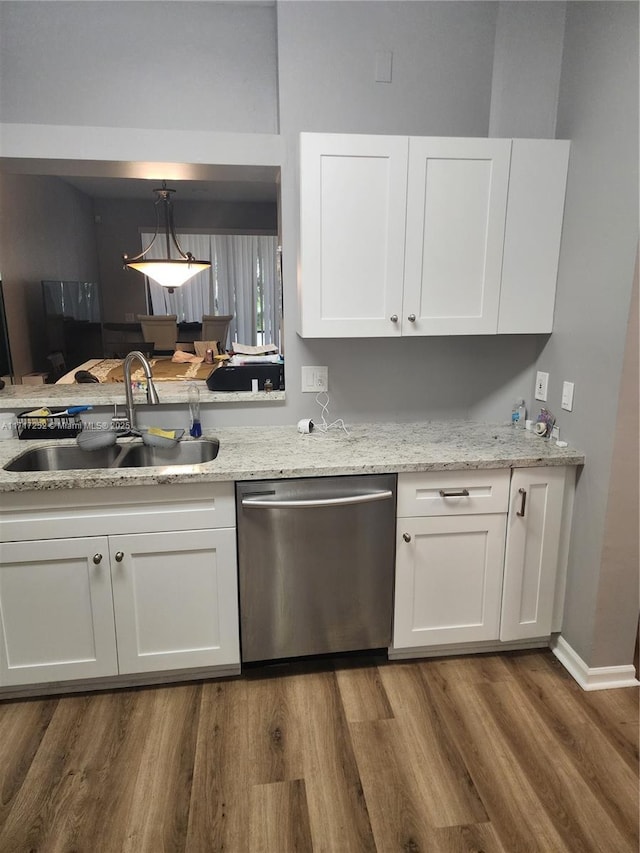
[242, 281]
[271, 292]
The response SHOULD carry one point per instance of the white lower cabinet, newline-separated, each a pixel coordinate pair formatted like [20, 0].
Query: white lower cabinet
[56, 612]
[448, 579]
[480, 556]
[175, 599]
[119, 604]
[534, 534]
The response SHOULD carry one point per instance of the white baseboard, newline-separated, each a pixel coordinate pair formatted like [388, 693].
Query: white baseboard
[592, 677]
[485, 646]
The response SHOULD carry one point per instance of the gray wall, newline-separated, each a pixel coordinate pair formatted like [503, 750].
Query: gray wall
[204, 66]
[616, 614]
[441, 70]
[525, 82]
[443, 57]
[46, 232]
[598, 111]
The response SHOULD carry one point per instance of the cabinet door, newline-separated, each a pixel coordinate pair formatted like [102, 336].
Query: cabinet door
[456, 207]
[352, 223]
[175, 596]
[56, 612]
[532, 552]
[448, 580]
[535, 211]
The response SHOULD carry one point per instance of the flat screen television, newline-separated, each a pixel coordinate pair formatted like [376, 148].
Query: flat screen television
[73, 316]
[73, 300]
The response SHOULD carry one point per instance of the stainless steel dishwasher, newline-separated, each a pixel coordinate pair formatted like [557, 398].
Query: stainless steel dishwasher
[315, 561]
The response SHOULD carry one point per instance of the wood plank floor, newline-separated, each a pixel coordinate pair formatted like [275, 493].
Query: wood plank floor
[489, 753]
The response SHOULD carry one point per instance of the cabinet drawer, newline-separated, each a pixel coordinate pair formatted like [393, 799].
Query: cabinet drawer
[453, 492]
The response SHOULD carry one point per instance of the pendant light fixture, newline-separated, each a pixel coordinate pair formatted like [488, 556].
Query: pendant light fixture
[169, 272]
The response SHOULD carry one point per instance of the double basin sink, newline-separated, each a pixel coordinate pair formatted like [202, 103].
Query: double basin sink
[132, 455]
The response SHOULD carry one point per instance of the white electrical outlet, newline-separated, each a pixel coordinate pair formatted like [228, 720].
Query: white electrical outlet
[567, 396]
[315, 379]
[542, 385]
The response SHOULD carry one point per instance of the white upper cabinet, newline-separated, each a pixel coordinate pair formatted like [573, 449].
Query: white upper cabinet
[537, 184]
[428, 235]
[352, 227]
[456, 209]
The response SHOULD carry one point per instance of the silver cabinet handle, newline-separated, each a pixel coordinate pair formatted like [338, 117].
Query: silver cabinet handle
[119, 556]
[523, 503]
[394, 318]
[97, 559]
[450, 493]
[304, 504]
[411, 318]
[406, 537]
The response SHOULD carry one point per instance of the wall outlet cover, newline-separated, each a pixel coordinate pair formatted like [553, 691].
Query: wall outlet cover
[542, 386]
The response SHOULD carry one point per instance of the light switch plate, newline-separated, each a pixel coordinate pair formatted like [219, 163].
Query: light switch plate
[384, 61]
[567, 396]
[542, 385]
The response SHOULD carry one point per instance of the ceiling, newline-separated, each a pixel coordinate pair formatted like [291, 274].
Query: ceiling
[121, 180]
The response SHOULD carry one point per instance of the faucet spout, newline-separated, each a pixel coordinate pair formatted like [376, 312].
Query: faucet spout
[152, 394]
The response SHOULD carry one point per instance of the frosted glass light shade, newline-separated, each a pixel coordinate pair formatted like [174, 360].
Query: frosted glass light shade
[169, 273]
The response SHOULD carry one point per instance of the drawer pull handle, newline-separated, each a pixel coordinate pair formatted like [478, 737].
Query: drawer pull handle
[119, 556]
[450, 493]
[406, 537]
[523, 494]
[97, 559]
[411, 318]
[394, 318]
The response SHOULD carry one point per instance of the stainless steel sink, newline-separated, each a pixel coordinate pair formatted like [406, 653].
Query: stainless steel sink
[71, 457]
[183, 453]
[63, 458]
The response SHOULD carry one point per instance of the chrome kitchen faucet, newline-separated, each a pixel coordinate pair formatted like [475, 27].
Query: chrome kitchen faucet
[152, 394]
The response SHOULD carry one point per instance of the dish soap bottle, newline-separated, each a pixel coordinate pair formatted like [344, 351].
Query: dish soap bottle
[195, 431]
[518, 414]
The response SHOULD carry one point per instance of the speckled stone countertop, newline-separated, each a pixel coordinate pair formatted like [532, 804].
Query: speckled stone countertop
[17, 397]
[251, 453]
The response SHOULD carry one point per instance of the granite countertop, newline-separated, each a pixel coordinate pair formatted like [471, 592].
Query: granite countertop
[251, 453]
[18, 397]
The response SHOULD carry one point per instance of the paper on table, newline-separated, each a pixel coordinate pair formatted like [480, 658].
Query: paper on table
[237, 360]
[262, 349]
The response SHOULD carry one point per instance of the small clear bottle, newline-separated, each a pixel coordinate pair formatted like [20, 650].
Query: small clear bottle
[195, 430]
[518, 414]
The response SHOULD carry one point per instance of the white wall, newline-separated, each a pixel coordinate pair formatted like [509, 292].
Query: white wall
[598, 111]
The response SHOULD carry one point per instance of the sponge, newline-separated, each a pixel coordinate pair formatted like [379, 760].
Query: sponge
[162, 433]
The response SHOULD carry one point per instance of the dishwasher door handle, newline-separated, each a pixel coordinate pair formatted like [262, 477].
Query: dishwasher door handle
[317, 502]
